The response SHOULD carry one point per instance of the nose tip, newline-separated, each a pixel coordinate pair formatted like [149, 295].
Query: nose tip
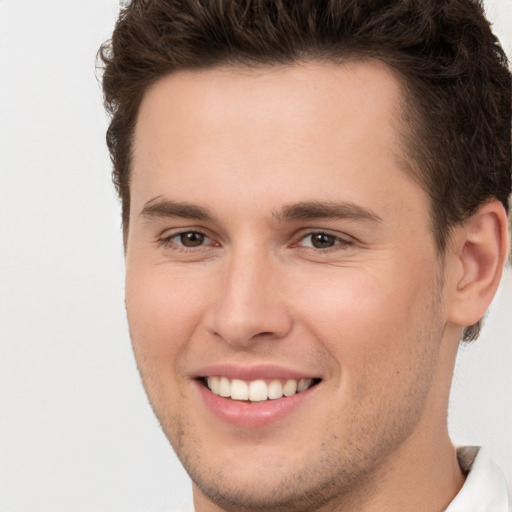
[245, 330]
[249, 306]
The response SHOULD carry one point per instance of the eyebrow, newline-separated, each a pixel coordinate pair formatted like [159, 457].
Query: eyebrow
[159, 207]
[315, 210]
[307, 210]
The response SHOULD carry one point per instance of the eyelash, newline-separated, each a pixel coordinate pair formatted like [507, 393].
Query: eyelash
[167, 241]
[339, 243]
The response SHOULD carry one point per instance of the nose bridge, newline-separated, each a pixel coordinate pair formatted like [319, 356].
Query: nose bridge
[249, 304]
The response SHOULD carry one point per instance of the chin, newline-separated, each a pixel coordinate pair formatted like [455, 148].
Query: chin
[261, 492]
[260, 479]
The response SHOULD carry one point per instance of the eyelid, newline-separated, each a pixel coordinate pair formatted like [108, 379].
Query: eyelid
[341, 239]
[167, 236]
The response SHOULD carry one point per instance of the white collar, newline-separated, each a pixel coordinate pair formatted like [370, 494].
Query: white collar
[485, 489]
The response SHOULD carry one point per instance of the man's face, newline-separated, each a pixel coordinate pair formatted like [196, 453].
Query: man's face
[275, 239]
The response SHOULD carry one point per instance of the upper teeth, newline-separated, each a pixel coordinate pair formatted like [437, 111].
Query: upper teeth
[256, 390]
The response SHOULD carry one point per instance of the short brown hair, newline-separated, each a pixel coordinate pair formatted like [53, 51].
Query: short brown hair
[457, 85]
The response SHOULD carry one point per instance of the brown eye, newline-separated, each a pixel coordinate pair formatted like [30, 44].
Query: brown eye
[192, 242]
[322, 240]
[191, 239]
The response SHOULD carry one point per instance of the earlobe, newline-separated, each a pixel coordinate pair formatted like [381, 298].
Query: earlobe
[482, 245]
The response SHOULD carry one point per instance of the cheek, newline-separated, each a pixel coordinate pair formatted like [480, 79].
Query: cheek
[162, 314]
[375, 326]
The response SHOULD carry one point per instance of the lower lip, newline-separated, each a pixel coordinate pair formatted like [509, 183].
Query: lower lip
[254, 414]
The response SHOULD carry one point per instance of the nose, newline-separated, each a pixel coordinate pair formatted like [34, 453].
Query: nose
[250, 303]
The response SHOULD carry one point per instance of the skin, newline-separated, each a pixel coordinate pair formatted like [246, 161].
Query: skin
[372, 316]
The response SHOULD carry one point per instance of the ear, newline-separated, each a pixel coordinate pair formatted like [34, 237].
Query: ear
[480, 248]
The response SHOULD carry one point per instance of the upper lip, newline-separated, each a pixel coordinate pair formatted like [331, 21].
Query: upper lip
[252, 372]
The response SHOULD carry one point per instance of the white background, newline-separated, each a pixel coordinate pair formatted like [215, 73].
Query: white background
[76, 433]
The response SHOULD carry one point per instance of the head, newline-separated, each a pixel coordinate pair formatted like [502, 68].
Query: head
[306, 188]
[455, 81]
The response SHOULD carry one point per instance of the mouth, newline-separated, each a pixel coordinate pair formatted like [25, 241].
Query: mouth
[259, 390]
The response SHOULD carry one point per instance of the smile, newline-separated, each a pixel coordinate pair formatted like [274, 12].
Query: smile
[257, 390]
[255, 396]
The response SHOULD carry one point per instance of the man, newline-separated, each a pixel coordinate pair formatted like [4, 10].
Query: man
[315, 201]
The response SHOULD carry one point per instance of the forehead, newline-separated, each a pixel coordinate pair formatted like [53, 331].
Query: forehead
[311, 93]
[316, 127]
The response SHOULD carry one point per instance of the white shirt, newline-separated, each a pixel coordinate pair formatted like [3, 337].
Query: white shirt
[485, 488]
